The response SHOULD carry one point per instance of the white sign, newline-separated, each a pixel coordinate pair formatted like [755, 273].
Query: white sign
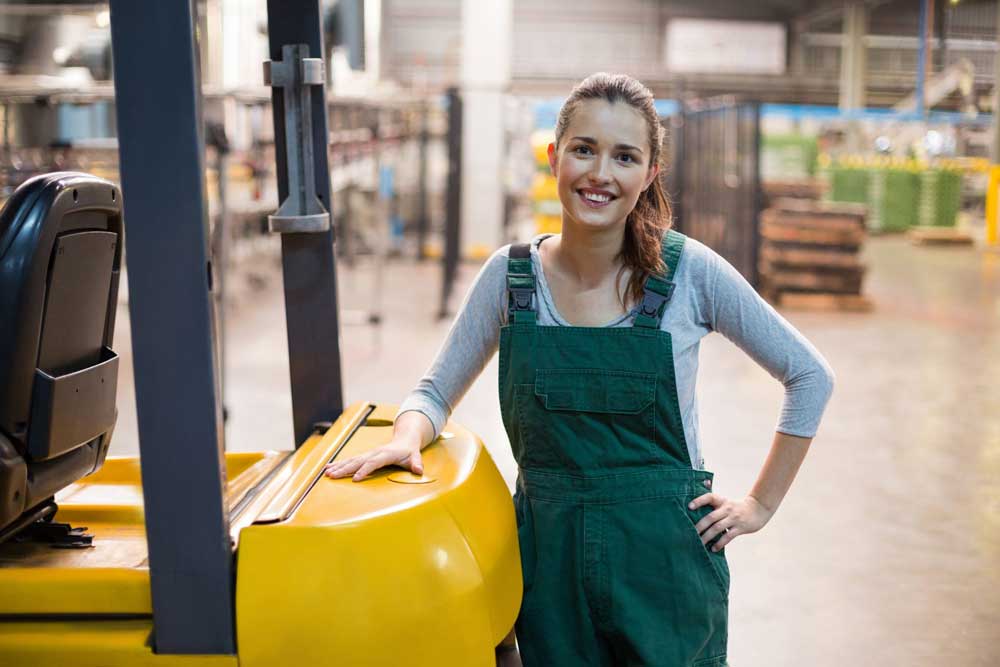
[734, 47]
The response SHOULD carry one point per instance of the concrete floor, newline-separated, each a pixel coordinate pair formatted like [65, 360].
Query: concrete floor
[886, 550]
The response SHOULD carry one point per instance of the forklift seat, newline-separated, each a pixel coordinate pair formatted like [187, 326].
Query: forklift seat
[60, 255]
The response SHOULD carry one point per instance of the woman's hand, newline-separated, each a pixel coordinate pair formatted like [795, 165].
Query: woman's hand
[394, 453]
[730, 517]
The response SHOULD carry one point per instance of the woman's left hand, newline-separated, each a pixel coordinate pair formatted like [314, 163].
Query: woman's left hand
[730, 517]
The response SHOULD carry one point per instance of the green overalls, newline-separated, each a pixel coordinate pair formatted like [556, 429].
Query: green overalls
[614, 570]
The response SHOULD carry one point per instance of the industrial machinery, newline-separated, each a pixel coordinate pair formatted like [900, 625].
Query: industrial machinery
[189, 555]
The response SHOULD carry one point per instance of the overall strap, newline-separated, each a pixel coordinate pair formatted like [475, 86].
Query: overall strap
[658, 289]
[520, 285]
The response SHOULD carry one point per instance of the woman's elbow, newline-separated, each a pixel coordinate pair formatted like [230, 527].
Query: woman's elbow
[826, 379]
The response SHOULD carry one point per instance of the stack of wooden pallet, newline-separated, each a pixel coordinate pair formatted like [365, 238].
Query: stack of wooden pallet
[797, 189]
[809, 255]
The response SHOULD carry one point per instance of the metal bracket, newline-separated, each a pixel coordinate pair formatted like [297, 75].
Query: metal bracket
[653, 301]
[522, 298]
[302, 211]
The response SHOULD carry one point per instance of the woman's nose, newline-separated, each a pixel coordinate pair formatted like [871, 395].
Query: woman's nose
[601, 171]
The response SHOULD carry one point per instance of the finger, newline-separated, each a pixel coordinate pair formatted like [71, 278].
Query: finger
[715, 529]
[417, 463]
[710, 519]
[727, 538]
[375, 462]
[348, 467]
[705, 499]
[333, 466]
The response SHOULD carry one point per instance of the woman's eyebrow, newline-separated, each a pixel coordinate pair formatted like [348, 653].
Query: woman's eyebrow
[592, 141]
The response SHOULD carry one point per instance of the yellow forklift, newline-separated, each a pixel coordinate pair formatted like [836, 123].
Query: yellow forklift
[188, 555]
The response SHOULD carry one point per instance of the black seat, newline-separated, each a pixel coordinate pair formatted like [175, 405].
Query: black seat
[60, 254]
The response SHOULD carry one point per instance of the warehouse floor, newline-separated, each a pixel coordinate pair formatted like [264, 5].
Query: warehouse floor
[887, 548]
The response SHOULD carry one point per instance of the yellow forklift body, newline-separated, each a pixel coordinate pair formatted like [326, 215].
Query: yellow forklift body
[396, 570]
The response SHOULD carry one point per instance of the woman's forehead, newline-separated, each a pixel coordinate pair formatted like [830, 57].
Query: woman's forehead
[605, 121]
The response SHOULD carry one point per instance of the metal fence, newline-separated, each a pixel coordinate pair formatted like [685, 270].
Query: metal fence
[714, 178]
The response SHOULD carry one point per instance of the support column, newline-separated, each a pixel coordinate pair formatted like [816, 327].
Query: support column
[853, 67]
[922, 60]
[995, 145]
[485, 77]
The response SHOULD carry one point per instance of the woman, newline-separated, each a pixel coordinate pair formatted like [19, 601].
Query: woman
[622, 540]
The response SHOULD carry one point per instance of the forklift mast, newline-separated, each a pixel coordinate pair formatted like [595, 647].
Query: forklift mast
[161, 145]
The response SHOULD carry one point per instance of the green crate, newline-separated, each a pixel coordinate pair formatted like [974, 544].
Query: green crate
[849, 184]
[940, 197]
[894, 199]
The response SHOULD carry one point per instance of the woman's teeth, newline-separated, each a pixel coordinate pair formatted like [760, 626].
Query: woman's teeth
[600, 199]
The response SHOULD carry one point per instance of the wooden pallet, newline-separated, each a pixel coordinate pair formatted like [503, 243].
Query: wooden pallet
[848, 237]
[802, 189]
[839, 282]
[809, 259]
[820, 208]
[822, 302]
[938, 236]
[776, 256]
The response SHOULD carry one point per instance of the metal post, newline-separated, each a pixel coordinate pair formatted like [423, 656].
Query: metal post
[308, 268]
[158, 103]
[922, 61]
[423, 221]
[453, 213]
[995, 146]
[853, 68]
[929, 38]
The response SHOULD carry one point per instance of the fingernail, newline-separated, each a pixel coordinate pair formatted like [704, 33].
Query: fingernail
[690, 506]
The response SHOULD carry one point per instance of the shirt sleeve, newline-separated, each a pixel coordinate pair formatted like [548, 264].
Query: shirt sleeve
[741, 315]
[471, 342]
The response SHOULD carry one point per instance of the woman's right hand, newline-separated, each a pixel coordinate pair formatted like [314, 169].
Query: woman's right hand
[396, 452]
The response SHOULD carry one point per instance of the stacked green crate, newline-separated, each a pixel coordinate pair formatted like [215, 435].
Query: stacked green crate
[940, 197]
[876, 199]
[897, 208]
[849, 184]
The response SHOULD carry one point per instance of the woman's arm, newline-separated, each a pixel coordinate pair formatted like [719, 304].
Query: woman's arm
[735, 518]
[468, 347]
[734, 309]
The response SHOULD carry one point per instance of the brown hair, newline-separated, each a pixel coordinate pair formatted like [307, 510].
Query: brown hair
[651, 217]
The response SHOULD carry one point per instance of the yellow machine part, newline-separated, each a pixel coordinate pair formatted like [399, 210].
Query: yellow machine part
[992, 208]
[96, 643]
[395, 570]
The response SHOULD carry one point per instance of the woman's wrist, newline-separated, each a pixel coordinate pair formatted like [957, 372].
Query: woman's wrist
[413, 429]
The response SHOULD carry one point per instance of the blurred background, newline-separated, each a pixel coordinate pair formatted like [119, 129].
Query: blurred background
[841, 155]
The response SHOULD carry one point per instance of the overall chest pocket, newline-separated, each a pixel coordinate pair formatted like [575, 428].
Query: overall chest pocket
[578, 417]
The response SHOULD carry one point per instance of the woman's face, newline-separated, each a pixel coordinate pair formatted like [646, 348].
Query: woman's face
[602, 164]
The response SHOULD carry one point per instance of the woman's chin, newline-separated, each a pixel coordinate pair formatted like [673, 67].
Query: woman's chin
[596, 221]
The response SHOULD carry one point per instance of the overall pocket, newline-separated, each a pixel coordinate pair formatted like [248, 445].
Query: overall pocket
[578, 418]
[715, 561]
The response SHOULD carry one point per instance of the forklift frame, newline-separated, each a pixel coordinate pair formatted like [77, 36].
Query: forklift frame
[181, 439]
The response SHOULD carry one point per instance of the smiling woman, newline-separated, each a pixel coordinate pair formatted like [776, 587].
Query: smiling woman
[621, 535]
[607, 153]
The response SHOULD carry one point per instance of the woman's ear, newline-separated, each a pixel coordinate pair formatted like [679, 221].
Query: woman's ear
[653, 173]
[553, 161]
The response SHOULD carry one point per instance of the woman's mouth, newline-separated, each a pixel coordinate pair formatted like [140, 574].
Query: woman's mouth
[595, 198]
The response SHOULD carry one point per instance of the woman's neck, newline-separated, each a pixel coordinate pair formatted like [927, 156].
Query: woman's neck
[589, 256]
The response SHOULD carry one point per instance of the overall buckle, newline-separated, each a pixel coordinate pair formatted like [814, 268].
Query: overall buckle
[522, 298]
[653, 301]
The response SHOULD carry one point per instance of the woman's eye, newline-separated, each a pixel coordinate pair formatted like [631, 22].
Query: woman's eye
[626, 157]
[582, 150]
